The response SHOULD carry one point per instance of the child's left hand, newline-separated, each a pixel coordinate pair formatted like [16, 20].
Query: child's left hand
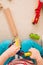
[14, 48]
[11, 51]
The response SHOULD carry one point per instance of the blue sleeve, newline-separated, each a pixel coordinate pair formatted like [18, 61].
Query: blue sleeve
[37, 46]
[4, 46]
[27, 44]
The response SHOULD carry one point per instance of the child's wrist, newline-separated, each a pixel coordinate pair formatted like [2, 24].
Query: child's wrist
[38, 59]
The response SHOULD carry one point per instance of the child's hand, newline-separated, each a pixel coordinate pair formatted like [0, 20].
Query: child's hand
[14, 48]
[35, 53]
[11, 51]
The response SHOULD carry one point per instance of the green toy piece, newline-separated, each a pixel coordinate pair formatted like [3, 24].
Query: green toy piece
[34, 36]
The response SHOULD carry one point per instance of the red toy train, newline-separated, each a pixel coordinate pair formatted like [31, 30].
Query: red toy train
[37, 12]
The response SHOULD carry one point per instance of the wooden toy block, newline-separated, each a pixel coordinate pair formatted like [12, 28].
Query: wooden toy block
[1, 7]
[10, 21]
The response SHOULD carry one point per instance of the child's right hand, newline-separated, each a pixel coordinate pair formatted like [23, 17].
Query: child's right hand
[35, 53]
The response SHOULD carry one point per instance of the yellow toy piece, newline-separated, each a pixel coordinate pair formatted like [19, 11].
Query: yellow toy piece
[28, 54]
[17, 41]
